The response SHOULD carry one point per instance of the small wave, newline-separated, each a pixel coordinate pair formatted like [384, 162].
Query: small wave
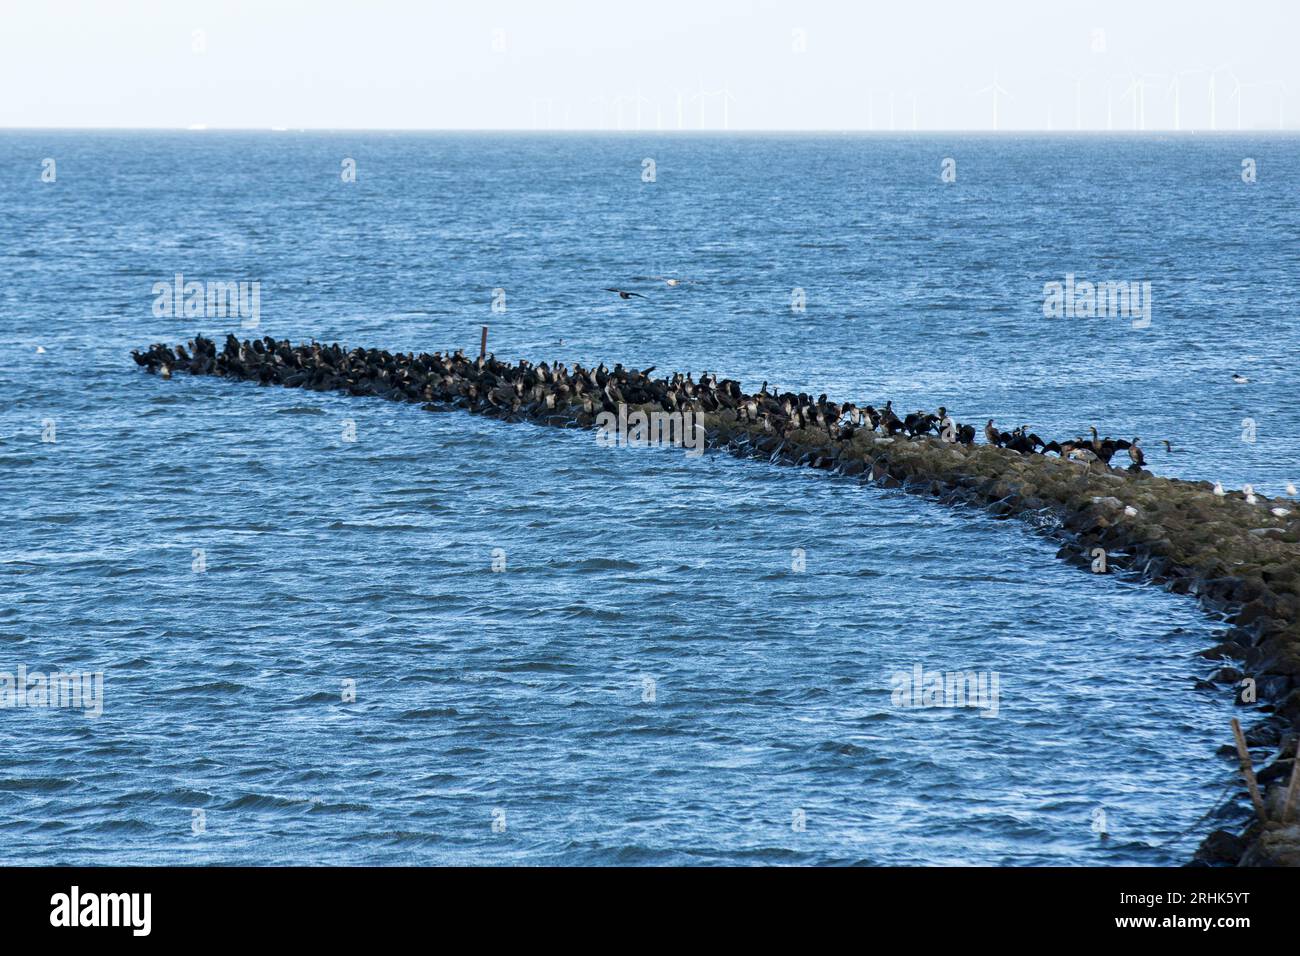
[401, 838]
[373, 526]
[842, 747]
[318, 806]
[320, 697]
[37, 784]
[262, 801]
[540, 667]
[428, 712]
[215, 687]
[607, 564]
[121, 826]
[595, 613]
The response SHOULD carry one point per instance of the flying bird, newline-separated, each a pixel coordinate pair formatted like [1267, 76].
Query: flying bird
[626, 295]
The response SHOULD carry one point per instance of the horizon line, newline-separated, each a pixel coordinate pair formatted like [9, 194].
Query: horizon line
[199, 128]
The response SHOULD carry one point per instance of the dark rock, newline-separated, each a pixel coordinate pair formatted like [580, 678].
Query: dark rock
[1276, 771]
[1220, 848]
[1226, 650]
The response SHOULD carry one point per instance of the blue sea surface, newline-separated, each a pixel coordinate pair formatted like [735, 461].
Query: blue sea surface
[650, 679]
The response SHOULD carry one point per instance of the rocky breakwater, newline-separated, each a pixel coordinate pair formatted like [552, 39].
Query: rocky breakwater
[1237, 553]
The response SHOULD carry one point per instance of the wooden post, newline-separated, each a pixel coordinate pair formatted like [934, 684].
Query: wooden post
[1293, 787]
[482, 348]
[1247, 771]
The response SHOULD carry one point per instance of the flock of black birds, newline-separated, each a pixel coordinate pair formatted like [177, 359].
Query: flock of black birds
[1079, 449]
[572, 394]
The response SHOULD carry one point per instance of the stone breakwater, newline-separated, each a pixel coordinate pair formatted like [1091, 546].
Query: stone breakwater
[1238, 554]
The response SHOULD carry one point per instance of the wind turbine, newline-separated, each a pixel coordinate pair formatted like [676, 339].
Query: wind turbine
[1282, 94]
[1176, 87]
[639, 100]
[1137, 90]
[1078, 99]
[996, 89]
[1250, 86]
[681, 94]
[635, 100]
[549, 104]
[1142, 92]
[1214, 116]
[727, 99]
[1236, 93]
[1133, 92]
[604, 102]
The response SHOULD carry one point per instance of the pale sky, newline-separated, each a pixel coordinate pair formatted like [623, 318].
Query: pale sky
[660, 64]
